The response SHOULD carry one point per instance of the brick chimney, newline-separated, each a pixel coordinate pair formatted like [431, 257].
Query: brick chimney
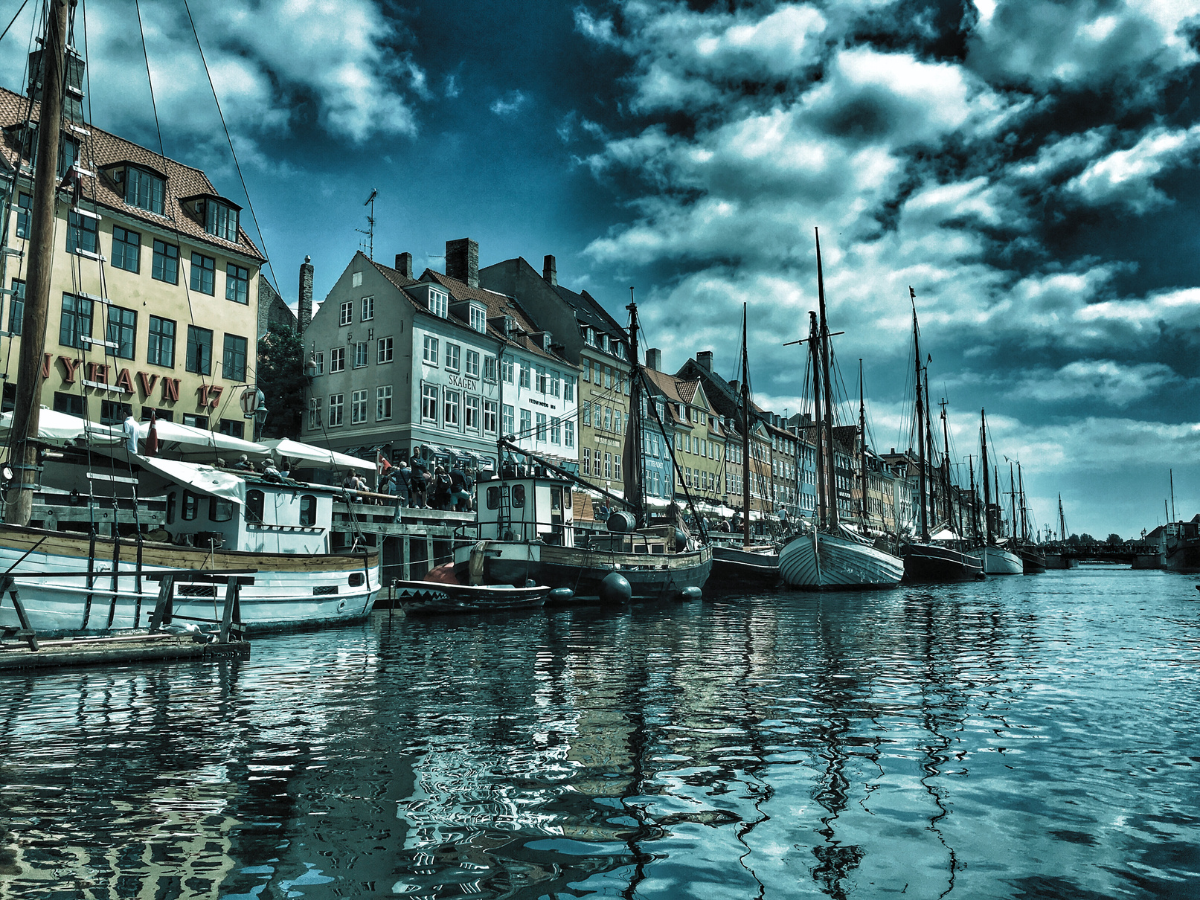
[462, 261]
[304, 306]
[654, 359]
[404, 265]
[550, 271]
[704, 360]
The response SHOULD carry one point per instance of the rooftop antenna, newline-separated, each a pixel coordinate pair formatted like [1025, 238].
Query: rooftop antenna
[370, 229]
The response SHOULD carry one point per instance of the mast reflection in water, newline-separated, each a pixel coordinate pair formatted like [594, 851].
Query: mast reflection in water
[1014, 738]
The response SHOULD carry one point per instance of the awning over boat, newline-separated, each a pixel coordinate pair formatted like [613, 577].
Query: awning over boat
[192, 440]
[195, 477]
[286, 447]
[62, 429]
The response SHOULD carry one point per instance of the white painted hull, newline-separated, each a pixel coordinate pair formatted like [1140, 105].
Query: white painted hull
[819, 561]
[997, 561]
[285, 592]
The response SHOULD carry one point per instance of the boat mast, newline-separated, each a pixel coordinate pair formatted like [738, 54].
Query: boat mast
[830, 475]
[920, 422]
[862, 430]
[946, 466]
[814, 348]
[745, 435]
[1062, 522]
[1024, 521]
[635, 457]
[1172, 476]
[1012, 492]
[987, 494]
[23, 454]
[974, 504]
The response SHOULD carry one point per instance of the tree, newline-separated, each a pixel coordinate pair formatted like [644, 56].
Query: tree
[1086, 538]
[282, 380]
[1073, 540]
[1114, 539]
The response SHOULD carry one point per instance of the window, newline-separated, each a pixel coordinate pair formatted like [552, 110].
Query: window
[232, 427]
[587, 413]
[204, 273]
[237, 284]
[314, 413]
[569, 389]
[518, 496]
[254, 506]
[489, 368]
[437, 304]
[452, 353]
[429, 402]
[430, 354]
[568, 433]
[358, 407]
[76, 321]
[114, 412]
[320, 360]
[450, 409]
[608, 419]
[71, 404]
[24, 205]
[541, 426]
[346, 313]
[308, 510]
[383, 352]
[143, 190]
[122, 326]
[471, 413]
[126, 249]
[616, 467]
[336, 402]
[81, 232]
[587, 461]
[360, 354]
[368, 308]
[221, 219]
[607, 464]
[555, 431]
[16, 312]
[383, 403]
[160, 343]
[554, 383]
[506, 371]
[608, 377]
[524, 375]
[165, 266]
[509, 421]
[356, 279]
[587, 370]
[199, 350]
[337, 359]
[489, 416]
[191, 505]
[526, 423]
[233, 358]
[540, 379]
[195, 421]
[472, 370]
[478, 319]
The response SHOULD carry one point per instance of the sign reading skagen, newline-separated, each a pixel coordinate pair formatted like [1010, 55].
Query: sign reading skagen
[467, 384]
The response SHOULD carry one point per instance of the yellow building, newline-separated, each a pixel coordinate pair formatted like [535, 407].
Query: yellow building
[153, 295]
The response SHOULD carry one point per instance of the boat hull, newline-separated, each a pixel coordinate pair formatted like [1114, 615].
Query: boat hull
[424, 597]
[1183, 556]
[281, 591]
[1059, 561]
[650, 576]
[827, 562]
[933, 564]
[739, 565]
[1033, 562]
[997, 561]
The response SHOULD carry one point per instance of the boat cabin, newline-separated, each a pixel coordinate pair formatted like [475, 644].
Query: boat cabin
[534, 508]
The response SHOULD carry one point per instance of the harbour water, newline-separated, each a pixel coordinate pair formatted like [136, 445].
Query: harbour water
[1023, 737]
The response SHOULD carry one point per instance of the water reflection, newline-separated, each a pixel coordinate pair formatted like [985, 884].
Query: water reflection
[1019, 738]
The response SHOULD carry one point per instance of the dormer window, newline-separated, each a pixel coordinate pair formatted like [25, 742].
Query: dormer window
[143, 188]
[590, 336]
[620, 351]
[604, 342]
[438, 303]
[478, 318]
[221, 219]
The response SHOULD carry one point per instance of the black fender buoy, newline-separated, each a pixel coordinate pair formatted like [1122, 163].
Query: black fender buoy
[691, 593]
[560, 595]
[615, 589]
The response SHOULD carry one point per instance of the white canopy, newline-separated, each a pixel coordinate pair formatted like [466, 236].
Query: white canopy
[190, 437]
[296, 450]
[202, 479]
[62, 429]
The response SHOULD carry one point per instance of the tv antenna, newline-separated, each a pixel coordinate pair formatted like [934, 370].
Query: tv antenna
[370, 229]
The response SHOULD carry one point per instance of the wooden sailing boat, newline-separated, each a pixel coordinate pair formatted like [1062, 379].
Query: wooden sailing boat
[829, 556]
[271, 536]
[1033, 560]
[1055, 556]
[994, 559]
[749, 562]
[527, 531]
[928, 561]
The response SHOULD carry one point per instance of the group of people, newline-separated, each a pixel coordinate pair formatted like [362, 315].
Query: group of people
[419, 487]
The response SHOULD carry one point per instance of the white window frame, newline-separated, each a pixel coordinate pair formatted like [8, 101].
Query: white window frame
[478, 318]
[429, 400]
[360, 355]
[358, 407]
[541, 427]
[438, 303]
[429, 353]
[337, 359]
[489, 368]
[509, 419]
[453, 356]
[568, 433]
[526, 424]
[385, 349]
[471, 363]
[383, 403]
[451, 408]
[346, 313]
[471, 413]
[314, 414]
[489, 416]
[368, 309]
[337, 404]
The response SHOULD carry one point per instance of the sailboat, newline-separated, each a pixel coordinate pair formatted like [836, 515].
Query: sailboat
[526, 527]
[1056, 558]
[925, 560]
[270, 535]
[749, 562]
[830, 556]
[994, 559]
[1033, 560]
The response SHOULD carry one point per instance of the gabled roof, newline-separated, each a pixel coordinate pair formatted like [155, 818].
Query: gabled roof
[101, 150]
[589, 312]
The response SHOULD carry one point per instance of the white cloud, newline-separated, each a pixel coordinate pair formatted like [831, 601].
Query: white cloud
[509, 104]
[1126, 177]
[1098, 380]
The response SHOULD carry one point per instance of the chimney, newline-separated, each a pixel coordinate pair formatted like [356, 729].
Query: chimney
[304, 307]
[704, 360]
[404, 265]
[550, 271]
[654, 359]
[462, 261]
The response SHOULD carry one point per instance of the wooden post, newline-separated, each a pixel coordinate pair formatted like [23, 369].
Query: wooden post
[231, 617]
[8, 586]
[406, 566]
[164, 609]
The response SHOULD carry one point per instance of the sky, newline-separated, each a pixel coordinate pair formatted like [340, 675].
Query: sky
[1028, 168]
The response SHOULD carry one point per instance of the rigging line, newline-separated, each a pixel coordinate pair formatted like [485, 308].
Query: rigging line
[14, 19]
[236, 164]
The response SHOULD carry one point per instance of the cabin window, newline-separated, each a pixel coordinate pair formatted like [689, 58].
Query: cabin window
[219, 510]
[356, 579]
[171, 508]
[191, 505]
[493, 498]
[308, 510]
[518, 496]
[254, 506]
